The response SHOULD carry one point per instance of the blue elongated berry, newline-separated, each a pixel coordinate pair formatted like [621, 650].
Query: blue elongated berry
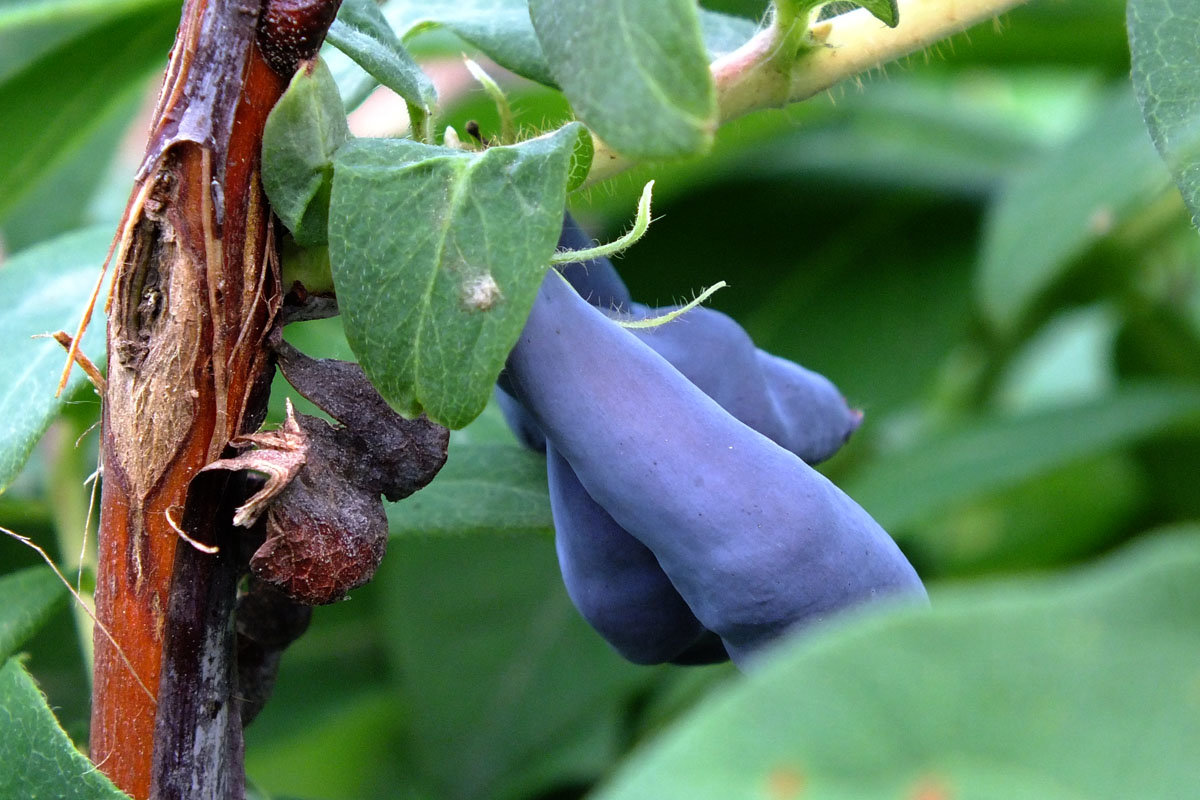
[753, 539]
[613, 579]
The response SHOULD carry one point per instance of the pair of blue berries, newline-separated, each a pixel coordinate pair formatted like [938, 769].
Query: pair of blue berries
[689, 524]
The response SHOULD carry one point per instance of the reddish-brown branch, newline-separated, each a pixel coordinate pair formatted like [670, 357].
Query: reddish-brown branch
[195, 294]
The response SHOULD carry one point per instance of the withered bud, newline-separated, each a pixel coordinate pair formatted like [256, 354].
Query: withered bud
[326, 530]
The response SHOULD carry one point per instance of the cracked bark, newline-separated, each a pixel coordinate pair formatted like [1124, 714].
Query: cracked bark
[195, 295]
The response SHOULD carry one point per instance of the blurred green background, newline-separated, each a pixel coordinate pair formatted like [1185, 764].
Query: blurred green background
[979, 245]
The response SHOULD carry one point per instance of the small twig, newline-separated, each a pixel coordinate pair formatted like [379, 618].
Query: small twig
[79, 357]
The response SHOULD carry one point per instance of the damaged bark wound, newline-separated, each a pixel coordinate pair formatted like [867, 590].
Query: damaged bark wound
[195, 294]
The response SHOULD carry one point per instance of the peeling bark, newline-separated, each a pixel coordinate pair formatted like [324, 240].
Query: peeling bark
[195, 295]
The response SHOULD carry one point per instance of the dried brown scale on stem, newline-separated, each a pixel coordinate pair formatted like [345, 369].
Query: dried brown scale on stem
[195, 294]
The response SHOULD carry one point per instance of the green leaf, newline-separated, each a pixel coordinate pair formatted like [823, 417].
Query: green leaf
[437, 255]
[884, 10]
[1066, 201]
[52, 107]
[26, 599]
[581, 159]
[333, 750]
[36, 757]
[636, 73]
[1057, 518]
[510, 692]
[361, 32]
[46, 288]
[1062, 688]
[1164, 39]
[65, 198]
[499, 28]
[302, 133]
[484, 488]
[904, 486]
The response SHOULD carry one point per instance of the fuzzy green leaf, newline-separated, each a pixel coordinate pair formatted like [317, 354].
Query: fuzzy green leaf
[1164, 40]
[501, 29]
[883, 10]
[37, 759]
[361, 32]
[636, 73]
[437, 255]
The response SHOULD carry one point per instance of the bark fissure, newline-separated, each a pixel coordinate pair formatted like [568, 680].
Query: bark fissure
[195, 295]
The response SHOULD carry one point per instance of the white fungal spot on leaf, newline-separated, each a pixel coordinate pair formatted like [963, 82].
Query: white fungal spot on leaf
[481, 292]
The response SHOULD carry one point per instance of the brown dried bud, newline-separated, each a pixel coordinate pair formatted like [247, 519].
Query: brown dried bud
[326, 530]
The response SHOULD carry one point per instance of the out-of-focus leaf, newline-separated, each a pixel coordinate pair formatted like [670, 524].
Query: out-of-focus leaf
[64, 199]
[335, 754]
[1068, 687]
[36, 757]
[52, 107]
[302, 133]
[965, 132]
[361, 32]
[45, 288]
[636, 73]
[510, 691]
[990, 454]
[437, 255]
[724, 33]
[30, 28]
[26, 600]
[1069, 360]
[484, 488]
[341, 739]
[1053, 519]
[1164, 39]
[1052, 212]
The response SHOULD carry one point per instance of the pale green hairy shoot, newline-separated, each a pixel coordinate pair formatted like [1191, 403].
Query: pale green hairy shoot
[640, 225]
[663, 319]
